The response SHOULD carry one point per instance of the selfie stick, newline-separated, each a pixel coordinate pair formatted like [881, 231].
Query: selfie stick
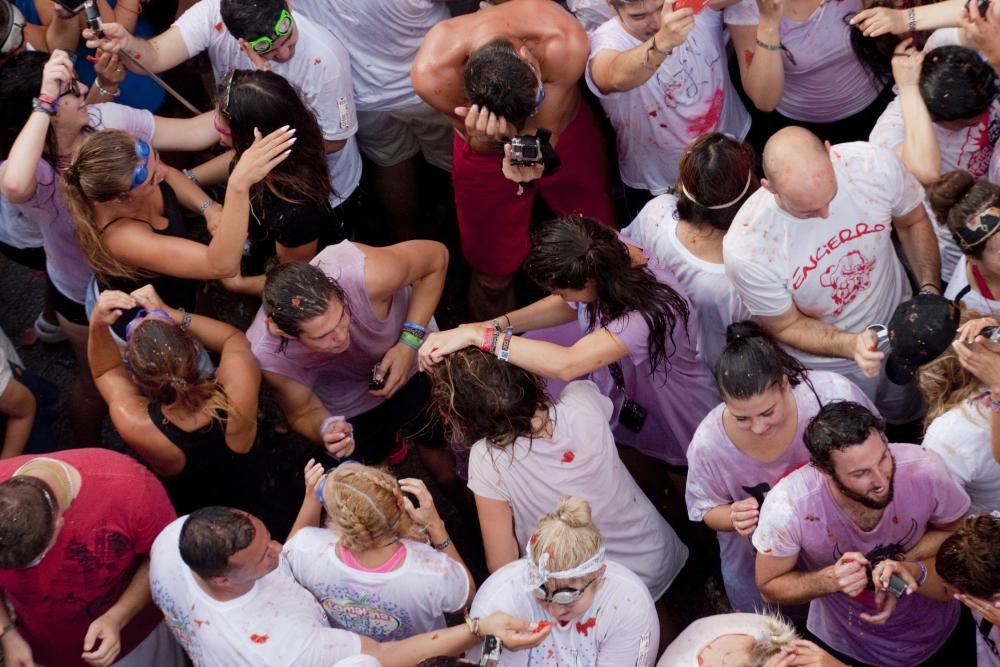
[94, 23]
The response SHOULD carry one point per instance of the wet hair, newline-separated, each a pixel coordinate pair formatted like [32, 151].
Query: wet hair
[957, 197]
[837, 426]
[101, 170]
[479, 396]
[568, 252]
[714, 170]
[875, 53]
[163, 360]
[211, 535]
[956, 83]
[27, 520]
[945, 384]
[753, 361]
[365, 508]
[497, 78]
[267, 101]
[250, 19]
[969, 559]
[778, 634]
[569, 535]
[20, 81]
[296, 292]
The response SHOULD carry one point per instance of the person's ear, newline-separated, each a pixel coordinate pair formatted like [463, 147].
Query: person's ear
[275, 330]
[766, 184]
[827, 146]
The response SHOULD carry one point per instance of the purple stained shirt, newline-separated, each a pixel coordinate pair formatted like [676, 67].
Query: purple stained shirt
[719, 474]
[676, 396]
[800, 516]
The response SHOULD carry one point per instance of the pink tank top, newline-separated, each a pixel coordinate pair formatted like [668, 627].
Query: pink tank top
[394, 561]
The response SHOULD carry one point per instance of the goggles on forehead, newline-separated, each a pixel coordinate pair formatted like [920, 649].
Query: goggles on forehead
[140, 316]
[141, 172]
[12, 37]
[283, 27]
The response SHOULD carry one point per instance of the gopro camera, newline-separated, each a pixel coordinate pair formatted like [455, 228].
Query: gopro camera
[491, 652]
[526, 151]
[632, 416]
[375, 383]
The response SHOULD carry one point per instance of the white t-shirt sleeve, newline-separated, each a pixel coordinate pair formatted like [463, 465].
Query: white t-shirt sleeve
[454, 587]
[778, 531]
[139, 122]
[744, 12]
[762, 289]
[484, 478]
[589, 397]
[330, 95]
[197, 24]
[950, 499]
[888, 130]
[902, 189]
[635, 638]
[326, 646]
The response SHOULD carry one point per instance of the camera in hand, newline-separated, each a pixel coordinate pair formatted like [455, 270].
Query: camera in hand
[526, 151]
[375, 383]
[491, 652]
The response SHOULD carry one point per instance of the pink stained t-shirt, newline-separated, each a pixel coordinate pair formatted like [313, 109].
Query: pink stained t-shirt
[800, 517]
[340, 381]
[580, 459]
[825, 82]
[720, 474]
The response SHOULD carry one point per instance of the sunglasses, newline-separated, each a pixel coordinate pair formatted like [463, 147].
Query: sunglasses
[262, 45]
[141, 172]
[139, 316]
[562, 596]
[73, 89]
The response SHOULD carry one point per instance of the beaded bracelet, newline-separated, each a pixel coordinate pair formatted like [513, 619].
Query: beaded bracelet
[185, 320]
[104, 91]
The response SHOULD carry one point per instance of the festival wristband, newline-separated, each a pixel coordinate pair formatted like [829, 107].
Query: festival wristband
[411, 341]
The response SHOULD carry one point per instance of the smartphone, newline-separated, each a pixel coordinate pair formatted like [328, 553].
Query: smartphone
[696, 5]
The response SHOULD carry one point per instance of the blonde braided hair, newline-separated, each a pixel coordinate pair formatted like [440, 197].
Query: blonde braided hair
[365, 508]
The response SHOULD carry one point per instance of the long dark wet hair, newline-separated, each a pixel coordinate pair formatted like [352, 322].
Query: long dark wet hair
[568, 252]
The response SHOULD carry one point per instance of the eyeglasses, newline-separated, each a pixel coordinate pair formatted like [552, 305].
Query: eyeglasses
[73, 89]
[140, 316]
[562, 596]
[262, 45]
[141, 172]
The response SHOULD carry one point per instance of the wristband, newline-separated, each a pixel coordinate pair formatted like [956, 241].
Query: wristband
[922, 577]
[410, 340]
[770, 47]
[923, 290]
[442, 546]
[47, 99]
[326, 423]
[191, 176]
[185, 320]
[417, 327]
[911, 19]
[45, 107]
[654, 47]
[104, 91]
[504, 353]
[472, 622]
[485, 347]
[207, 204]
[494, 339]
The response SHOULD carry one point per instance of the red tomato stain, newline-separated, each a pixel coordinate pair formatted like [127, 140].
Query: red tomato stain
[568, 456]
[541, 626]
[701, 660]
[317, 61]
[748, 57]
[895, 519]
[663, 125]
[710, 119]
[259, 639]
[552, 652]
[767, 551]
[653, 113]
[199, 622]
[583, 628]
[218, 27]
[434, 636]
[812, 517]
[534, 538]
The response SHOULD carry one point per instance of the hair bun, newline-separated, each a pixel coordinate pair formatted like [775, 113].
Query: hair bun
[944, 193]
[744, 329]
[574, 512]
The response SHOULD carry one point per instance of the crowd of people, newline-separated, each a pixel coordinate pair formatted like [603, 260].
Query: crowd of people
[725, 274]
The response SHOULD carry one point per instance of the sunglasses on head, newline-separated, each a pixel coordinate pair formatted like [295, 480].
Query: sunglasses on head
[262, 45]
[140, 316]
[561, 595]
[141, 172]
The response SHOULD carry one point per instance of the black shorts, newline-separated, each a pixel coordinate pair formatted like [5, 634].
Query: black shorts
[33, 258]
[65, 306]
[404, 416]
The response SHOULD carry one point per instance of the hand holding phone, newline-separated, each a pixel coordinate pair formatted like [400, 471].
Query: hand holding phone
[695, 5]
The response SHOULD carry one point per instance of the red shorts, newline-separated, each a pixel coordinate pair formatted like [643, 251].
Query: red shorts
[493, 219]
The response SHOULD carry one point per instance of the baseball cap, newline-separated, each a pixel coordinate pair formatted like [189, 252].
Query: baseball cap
[919, 331]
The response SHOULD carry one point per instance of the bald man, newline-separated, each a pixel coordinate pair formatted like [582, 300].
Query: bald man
[501, 72]
[812, 257]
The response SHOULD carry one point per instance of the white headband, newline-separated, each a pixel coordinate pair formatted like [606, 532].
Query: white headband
[538, 573]
[728, 203]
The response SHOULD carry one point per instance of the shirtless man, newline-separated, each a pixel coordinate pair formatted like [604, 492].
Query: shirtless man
[501, 72]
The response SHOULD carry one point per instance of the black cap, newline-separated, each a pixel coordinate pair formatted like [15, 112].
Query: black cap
[919, 331]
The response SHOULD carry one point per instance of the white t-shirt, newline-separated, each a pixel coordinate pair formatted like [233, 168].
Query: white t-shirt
[320, 71]
[619, 629]
[962, 437]
[972, 299]
[711, 292]
[277, 623]
[842, 270]
[690, 94]
[686, 649]
[826, 81]
[719, 473]
[590, 13]
[15, 229]
[7, 354]
[385, 606]
[383, 37]
[581, 460]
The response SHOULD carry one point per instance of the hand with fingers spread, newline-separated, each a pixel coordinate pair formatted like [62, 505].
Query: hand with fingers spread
[883, 572]
[881, 21]
[313, 472]
[484, 125]
[979, 31]
[440, 344]
[866, 353]
[426, 515]
[906, 63]
[338, 437]
[744, 514]
[803, 653]
[110, 306]
[982, 359]
[263, 155]
[850, 574]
